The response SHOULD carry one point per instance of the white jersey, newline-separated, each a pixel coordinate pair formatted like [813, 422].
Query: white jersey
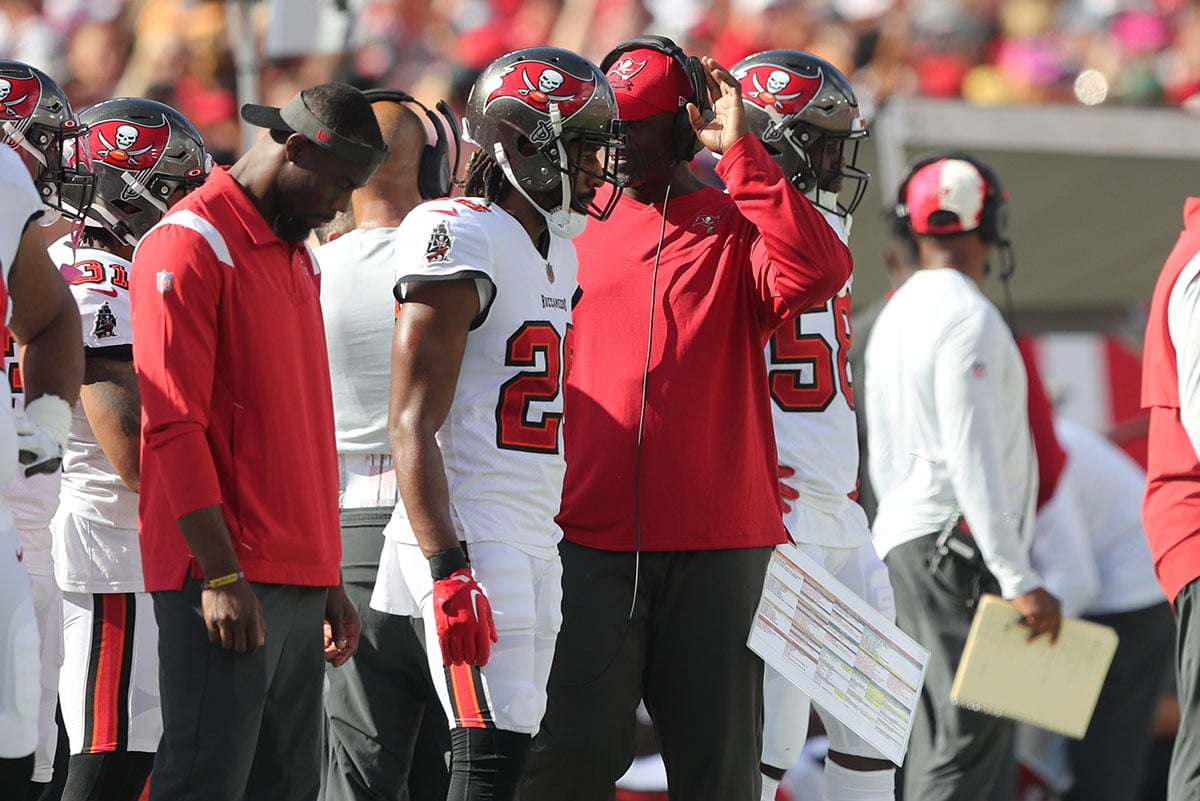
[357, 276]
[98, 551]
[19, 202]
[812, 406]
[502, 440]
[947, 424]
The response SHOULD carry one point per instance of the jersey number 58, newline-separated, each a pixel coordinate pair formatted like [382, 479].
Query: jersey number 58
[791, 389]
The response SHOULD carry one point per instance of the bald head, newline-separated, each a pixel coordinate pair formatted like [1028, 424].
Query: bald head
[392, 192]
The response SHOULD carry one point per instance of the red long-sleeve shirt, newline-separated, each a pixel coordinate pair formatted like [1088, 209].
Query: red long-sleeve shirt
[229, 348]
[732, 268]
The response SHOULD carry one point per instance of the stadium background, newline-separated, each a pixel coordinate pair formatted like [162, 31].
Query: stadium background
[1086, 108]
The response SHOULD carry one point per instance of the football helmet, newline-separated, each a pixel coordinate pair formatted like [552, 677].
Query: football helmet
[37, 120]
[141, 152]
[525, 108]
[802, 108]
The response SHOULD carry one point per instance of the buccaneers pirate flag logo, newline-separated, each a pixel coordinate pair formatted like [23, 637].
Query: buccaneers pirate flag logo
[624, 70]
[20, 92]
[538, 84]
[780, 92]
[128, 145]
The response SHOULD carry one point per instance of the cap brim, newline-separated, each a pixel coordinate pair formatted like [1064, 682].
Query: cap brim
[264, 117]
[633, 108]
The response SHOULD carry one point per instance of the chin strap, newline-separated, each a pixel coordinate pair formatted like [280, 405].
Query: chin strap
[18, 139]
[562, 221]
[138, 188]
[116, 224]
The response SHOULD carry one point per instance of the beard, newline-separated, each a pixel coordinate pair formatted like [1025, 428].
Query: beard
[291, 229]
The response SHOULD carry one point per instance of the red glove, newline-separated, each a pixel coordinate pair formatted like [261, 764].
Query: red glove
[786, 493]
[464, 619]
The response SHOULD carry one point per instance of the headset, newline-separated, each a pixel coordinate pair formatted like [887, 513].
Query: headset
[993, 219]
[686, 143]
[435, 178]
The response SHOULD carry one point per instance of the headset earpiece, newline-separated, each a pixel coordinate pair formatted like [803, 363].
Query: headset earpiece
[435, 178]
[686, 143]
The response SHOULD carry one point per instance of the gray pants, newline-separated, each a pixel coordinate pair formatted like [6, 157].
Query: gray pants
[954, 754]
[684, 651]
[388, 737]
[1110, 761]
[1183, 784]
[240, 726]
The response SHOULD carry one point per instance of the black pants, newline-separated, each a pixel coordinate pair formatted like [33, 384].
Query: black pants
[240, 725]
[387, 729]
[1110, 761]
[954, 754]
[684, 650]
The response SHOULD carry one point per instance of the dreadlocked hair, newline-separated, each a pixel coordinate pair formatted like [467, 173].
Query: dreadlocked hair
[485, 178]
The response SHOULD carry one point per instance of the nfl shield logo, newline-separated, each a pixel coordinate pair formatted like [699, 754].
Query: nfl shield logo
[165, 281]
[550, 272]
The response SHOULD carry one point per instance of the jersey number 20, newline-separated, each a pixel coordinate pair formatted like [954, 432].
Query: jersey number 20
[516, 428]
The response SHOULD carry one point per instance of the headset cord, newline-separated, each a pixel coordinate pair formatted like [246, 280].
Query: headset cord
[1007, 268]
[637, 460]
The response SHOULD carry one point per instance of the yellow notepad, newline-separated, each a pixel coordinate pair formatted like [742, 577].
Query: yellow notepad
[1054, 686]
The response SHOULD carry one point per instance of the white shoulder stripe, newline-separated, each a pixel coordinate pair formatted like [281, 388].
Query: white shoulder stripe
[189, 219]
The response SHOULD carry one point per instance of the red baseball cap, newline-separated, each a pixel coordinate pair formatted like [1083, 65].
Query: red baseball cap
[953, 187]
[648, 82]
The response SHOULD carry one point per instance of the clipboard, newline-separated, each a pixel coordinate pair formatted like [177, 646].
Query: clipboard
[1054, 687]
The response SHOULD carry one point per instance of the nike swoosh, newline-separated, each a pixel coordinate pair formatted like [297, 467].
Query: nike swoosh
[112, 293]
[475, 602]
[447, 212]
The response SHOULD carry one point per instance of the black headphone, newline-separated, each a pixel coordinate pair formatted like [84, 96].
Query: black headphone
[434, 177]
[993, 218]
[686, 143]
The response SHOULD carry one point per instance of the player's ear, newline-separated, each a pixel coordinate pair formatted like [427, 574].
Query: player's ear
[294, 146]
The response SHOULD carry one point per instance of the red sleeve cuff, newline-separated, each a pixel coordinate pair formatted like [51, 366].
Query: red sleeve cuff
[187, 472]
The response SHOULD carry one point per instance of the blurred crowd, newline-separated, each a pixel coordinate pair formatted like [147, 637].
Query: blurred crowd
[1138, 52]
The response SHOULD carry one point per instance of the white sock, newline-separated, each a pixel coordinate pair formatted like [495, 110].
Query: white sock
[769, 788]
[843, 784]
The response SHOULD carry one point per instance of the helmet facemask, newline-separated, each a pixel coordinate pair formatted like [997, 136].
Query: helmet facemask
[551, 167]
[65, 185]
[810, 176]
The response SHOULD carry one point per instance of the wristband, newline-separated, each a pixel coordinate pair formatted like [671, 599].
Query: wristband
[443, 564]
[53, 414]
[221, 581]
